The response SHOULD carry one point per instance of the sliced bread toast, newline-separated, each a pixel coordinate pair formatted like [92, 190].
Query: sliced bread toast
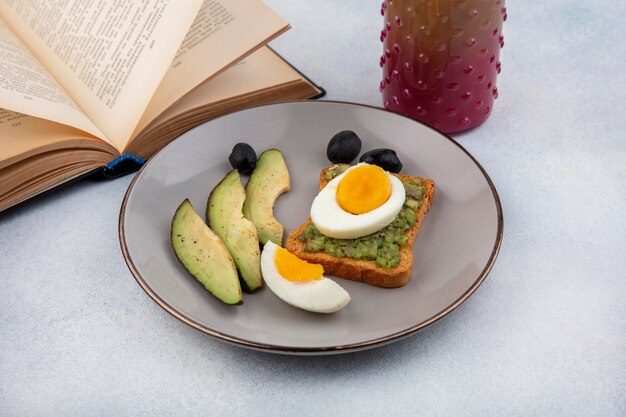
[364, 270]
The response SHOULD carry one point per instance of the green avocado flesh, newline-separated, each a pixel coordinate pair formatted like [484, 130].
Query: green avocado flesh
[382, 246]
[335, 170]
[238, 233]
[269, 180]
[204, 255]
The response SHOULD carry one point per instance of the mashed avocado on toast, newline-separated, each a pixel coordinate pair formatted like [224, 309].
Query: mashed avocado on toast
[383, 246]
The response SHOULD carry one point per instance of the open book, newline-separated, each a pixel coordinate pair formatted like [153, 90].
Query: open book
[84, 84]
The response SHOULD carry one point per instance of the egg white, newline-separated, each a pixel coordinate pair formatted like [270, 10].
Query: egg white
[318, 296]
[333, 221]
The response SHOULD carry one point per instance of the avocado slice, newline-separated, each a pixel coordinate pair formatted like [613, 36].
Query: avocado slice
[225, 217]
[269, 180]
[204, 255]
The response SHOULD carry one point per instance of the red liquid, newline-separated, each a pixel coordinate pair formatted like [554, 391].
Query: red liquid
[440, 60]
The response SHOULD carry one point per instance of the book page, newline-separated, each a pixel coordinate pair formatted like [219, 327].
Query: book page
[22, 135]
[261, 70]
[109, 55]
[262, 77]
[26, 87]
[223, 32]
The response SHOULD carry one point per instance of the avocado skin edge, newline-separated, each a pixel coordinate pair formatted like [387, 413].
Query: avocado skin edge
[213, 291]
[222, 206]
[269, 179]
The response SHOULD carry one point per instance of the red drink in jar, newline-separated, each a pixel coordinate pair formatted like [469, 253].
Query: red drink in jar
[440, 60]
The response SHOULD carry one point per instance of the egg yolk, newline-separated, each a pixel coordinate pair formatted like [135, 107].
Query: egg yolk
[292, 268]
[363, 189]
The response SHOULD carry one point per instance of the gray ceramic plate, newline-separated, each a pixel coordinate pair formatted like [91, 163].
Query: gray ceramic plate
[454, 252]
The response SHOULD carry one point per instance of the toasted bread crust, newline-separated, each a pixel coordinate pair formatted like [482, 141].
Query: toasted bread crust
[362, 270]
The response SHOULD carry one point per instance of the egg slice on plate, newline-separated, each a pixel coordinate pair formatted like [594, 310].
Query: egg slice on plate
[300, 283]
[359, 202]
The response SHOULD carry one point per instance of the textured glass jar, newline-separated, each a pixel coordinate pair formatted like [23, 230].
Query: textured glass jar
[440, 60]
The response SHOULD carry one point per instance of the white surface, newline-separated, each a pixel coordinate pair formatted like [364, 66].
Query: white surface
[544, 335]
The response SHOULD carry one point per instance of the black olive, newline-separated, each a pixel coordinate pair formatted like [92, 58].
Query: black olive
[343, 147]
[384, 158]
[243, 158]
